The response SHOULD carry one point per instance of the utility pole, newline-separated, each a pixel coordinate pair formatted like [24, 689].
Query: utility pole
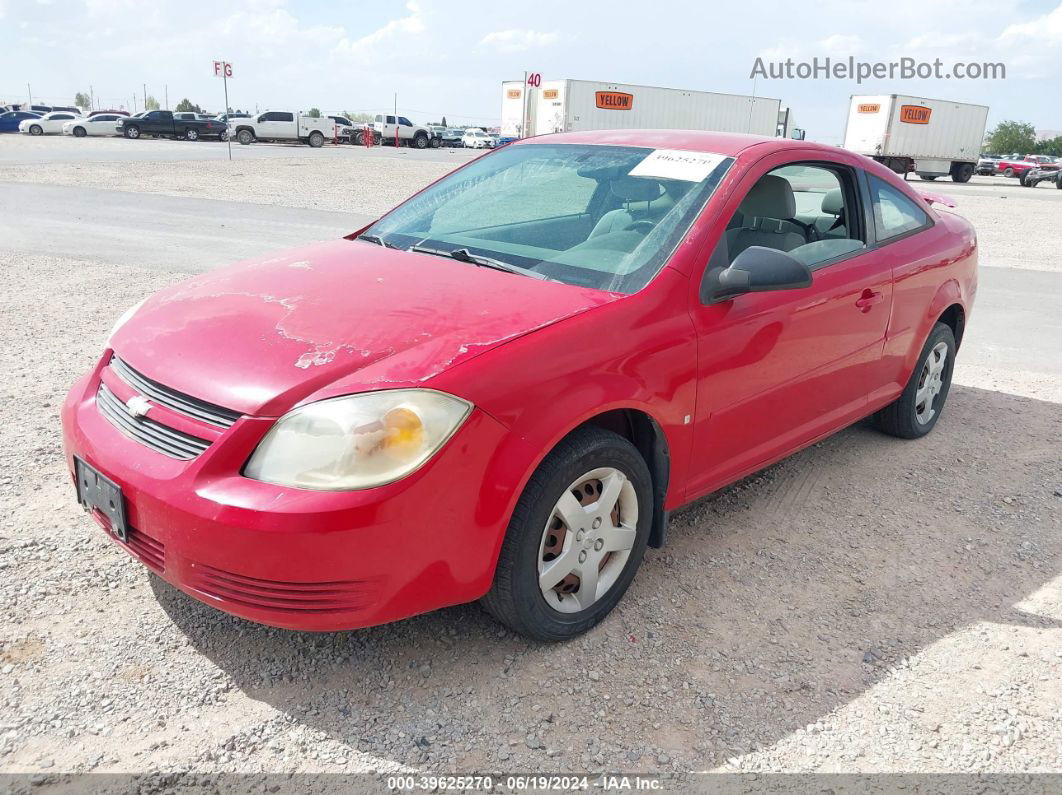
[134, 102]
[166, 89]
[145, 96]
[396, 120]
[523, 109]
[225, 83]
[29, 91]
[92, 95]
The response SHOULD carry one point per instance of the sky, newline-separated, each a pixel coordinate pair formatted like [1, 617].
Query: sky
[449, 58]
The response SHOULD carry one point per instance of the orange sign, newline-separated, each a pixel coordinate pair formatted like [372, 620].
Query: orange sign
[550, 93]
[513, 93]
[614, 100]
[869, 108]
[915, 114]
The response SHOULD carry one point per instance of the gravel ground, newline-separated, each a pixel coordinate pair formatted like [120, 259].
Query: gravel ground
[867, 605]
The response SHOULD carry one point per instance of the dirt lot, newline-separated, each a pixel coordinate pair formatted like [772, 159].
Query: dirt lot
[867, 605]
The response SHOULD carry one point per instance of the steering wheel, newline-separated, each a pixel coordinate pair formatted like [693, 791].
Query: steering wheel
[640, 226]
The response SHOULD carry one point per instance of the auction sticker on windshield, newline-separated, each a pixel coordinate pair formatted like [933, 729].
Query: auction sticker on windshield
[678, 164]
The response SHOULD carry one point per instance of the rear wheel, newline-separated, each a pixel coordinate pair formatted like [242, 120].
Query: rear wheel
[316, 140]
[435, 143]
[962, 172]
[918, 408]
[191, 134]
[576, 538]
[36, 129]
[1008, 172]
[927, 177]
[79, 132]
[245, 137]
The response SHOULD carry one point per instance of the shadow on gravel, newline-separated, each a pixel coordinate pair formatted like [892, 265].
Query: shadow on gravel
[773, 603]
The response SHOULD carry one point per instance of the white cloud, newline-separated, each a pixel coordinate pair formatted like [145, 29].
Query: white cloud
[840, 44]
[518, 40]
[411, 24]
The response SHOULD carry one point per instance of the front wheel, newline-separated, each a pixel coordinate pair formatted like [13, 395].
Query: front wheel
[576, 538]
[914, 413]
[316, 140]
[191, 135]
[245, 137]
[421, 141]
[132, 132]
[79, 132]
[224, 136]
[1008, 172]
[36, 129]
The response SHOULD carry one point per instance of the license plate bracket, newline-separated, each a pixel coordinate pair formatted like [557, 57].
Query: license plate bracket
[96, 491]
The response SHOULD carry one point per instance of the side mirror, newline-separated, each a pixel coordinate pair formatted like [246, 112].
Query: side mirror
[758, 270]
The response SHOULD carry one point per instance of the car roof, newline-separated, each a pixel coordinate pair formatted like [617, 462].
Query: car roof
[730, 144]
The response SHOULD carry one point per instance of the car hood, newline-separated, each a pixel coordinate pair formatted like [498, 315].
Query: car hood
[334, 318]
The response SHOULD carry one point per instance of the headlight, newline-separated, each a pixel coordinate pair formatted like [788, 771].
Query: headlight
[125, 318]
[358, 441]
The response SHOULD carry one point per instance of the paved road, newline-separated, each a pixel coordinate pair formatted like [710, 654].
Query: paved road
[166, 232]
[22, 149]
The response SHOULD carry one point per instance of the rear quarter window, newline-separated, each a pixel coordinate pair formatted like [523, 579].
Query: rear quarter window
[895, 214]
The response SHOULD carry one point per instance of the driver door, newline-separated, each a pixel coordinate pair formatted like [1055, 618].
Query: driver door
[778, 370]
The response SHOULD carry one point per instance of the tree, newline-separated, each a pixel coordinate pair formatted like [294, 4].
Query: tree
[444, 124]
[83, 101]
[186, 106]
[1051, 146]
[150, 103]
[1010, 137]
[315, 113]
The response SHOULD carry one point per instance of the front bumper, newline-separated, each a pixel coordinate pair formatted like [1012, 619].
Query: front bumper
[295, 558]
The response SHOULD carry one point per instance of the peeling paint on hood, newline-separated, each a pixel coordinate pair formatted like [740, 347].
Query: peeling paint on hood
[261, 336]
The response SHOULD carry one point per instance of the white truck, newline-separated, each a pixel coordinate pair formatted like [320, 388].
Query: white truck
[931, 137]
[283, 125]
[578, 105]
[409, 134]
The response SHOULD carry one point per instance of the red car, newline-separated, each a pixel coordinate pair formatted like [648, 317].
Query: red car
[1018, 168]
[500, 389]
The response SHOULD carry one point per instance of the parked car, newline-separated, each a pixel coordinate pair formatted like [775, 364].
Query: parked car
[475, 138]
[10, 121]
[227, 117]
[986, 165]
[101, 124]
[283, 125]
[109, 112]
[407, 133]
[48, 124]
[452, 136]
[481, 414]
[1017, 166]
[1045, 172]
[163, 124]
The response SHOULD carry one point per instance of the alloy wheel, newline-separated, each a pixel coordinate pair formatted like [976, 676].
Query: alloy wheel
[587, 540]
[931, 382]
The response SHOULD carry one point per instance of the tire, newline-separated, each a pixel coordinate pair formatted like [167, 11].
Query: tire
[435, 143]
[1058, 181]
[927, 177]
[316, 140]
[191, 134]
[1008, 172]
[420, 141]
[36, 129]
[1026, 182]
[79, 132]
[515, 597]
[132, 133]
[377, 139]
[245, 137]
[224, 136]
[962, 173]
[901, 417]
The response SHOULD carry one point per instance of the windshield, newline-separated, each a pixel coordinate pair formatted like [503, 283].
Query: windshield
[606, 217]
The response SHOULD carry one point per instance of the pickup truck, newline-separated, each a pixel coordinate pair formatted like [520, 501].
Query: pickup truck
[162, 124]
[1017, 167]
[408, 133]
[283, 125]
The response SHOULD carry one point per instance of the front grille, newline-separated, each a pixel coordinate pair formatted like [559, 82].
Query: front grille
[174, 443]
[172, 399]
[295, 597]
[151, 552]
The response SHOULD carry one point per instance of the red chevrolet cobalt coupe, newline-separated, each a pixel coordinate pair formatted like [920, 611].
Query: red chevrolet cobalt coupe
[500, 389]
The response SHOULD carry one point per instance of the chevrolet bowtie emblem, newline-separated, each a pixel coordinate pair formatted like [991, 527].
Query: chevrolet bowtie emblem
[138, 405]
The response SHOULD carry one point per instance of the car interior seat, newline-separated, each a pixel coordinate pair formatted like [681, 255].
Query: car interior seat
[767, 214]
[643, 200]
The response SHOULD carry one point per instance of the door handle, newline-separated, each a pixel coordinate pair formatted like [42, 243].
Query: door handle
[868, 299]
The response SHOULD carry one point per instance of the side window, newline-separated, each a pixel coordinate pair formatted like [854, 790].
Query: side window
[809, 210]
[894, 213]
[283, 117]
[379, 119]
[390, 119]
[404, 121]
[263, 117]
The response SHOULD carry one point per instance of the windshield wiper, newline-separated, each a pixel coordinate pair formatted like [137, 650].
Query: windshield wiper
[377, 240]
[464, 255]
